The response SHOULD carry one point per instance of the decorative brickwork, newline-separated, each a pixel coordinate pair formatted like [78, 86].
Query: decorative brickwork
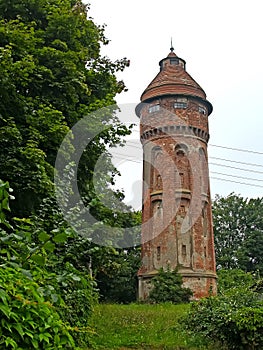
[177, 219]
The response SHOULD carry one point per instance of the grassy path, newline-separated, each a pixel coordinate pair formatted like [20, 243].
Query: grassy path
[139, 326]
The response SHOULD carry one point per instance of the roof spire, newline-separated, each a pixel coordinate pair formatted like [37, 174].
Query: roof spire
[172, 48]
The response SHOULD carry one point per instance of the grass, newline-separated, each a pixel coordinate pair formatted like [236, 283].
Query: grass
[142, 326]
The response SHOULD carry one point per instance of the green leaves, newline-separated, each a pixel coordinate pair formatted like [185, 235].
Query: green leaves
[167, 287]
[234, 319]
[38, 259]
[52, 74]
[4, 201]
[49, 247]
[46, 87]
[43, 236]
[60, 237]
[28, 320]
[238, 232]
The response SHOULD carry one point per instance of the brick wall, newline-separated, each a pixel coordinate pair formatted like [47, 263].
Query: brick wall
[177, 222]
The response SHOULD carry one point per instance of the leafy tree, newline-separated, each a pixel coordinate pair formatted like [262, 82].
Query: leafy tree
[238, 232]
[234, 278]
[167, 287]
[117, 280]
[52, 74]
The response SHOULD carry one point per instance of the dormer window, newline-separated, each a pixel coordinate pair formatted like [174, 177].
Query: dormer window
[174, 61]
[154, 108]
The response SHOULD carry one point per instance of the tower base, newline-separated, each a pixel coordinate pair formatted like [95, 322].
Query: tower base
[202, 284]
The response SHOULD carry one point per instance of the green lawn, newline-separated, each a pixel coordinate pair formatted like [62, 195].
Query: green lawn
[142, 326]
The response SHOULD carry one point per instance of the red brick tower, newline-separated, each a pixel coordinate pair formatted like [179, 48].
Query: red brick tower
[177, 219]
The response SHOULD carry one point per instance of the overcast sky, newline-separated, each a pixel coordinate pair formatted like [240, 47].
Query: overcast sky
[221, 42]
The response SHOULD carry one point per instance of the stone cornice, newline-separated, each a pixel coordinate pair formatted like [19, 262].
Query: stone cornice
[178, 130]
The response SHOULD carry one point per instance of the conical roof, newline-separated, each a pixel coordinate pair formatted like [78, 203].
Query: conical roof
[172, 79]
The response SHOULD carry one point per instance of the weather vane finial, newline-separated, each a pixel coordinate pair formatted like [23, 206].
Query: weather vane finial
[172, 48]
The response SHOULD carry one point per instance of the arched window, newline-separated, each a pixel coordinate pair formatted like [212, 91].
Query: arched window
[157, 160]
[157, 217]
[181, 149]
[183, 170]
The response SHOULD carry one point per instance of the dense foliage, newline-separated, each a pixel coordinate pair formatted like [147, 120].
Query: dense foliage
[238, 232]
[167, 287]
[233, 318]
[42, 291]
[28, 319]
[117, 280]
[52, 75]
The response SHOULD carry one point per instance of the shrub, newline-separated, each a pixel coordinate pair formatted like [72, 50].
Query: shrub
[167, 287]
[52, 280]
[234, 319]
[28, 320]
[228, 279]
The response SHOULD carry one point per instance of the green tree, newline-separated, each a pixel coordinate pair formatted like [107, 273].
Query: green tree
[234, 278]
[117, 279]
[52, 74]
[238, 232]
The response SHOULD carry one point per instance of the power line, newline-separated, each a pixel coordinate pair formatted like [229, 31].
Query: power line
[226, 147]
[235, 161]
[237, 149]
[211, 163]
[237, 182]
[232, 167]
[223, 159]
[217, 158]
[238, 177]
[121, 156]
[211, 177]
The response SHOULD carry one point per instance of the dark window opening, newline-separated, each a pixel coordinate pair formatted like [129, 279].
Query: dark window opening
[180, 153]
[174, 61]
[182, 210]
[158, 253]
[184, 250]
[182, 179]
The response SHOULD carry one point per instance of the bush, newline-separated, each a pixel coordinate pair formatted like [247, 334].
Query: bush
[28, 320]
[228, 279]
[234, 319]
[167, 287]
[52, 280]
